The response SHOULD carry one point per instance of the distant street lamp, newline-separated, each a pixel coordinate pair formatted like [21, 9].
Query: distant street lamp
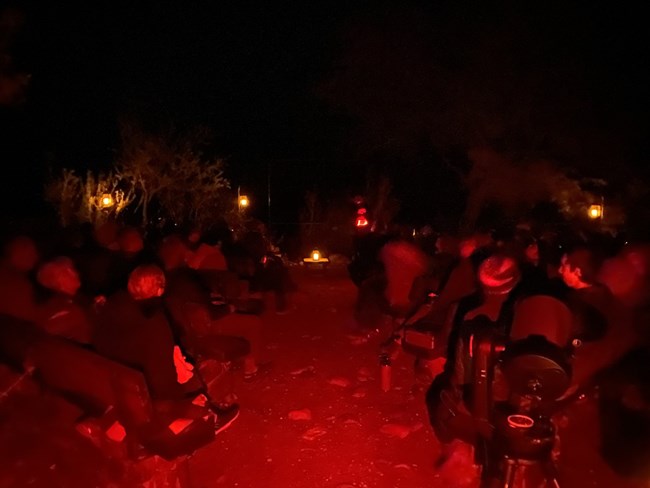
[596, 211]
[242, 200]
[107, 200]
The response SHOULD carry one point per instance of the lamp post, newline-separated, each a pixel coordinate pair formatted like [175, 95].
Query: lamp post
[597, 211]
[242, 200]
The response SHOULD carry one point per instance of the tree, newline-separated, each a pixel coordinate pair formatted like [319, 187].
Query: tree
[518, 186]
[80, 199]
[464, 80]
[383, 204]
[172, 171]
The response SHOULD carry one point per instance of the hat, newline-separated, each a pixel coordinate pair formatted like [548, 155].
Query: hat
[498, 274]
[146, 281]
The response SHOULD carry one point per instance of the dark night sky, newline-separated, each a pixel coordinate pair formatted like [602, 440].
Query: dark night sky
[251, 74]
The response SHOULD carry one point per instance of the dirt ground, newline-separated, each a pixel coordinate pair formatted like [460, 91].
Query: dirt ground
[324, 376]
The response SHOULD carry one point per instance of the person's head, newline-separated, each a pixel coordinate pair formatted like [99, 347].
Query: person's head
[59, 275]
[106, 235]
[130, 241]
[21, 254]
[498, 274]
[146, 281]
[579, 268]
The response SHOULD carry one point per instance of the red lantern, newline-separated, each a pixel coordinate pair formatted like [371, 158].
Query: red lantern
[362, 221]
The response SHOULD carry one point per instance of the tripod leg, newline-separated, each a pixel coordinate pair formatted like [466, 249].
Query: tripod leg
[551, 474]
[509, 474]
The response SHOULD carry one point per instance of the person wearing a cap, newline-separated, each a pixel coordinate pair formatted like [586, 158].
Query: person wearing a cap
[487, 309]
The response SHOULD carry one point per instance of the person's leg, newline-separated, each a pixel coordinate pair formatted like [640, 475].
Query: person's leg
[247, 326]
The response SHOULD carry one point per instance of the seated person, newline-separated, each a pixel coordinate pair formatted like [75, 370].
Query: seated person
[132, 328]
[207, 327]
[62, 311]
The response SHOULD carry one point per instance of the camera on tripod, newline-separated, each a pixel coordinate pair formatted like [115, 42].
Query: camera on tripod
[517, 382]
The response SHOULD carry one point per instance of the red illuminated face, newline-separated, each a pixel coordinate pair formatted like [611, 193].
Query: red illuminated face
[571, 276]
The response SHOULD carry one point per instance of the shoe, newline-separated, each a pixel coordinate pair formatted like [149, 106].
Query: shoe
[225, 417]
[262, 370]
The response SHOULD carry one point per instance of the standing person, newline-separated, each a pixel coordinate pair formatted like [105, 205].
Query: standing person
[269, 274]
[487, 310]
[599, 317]
[606, 331]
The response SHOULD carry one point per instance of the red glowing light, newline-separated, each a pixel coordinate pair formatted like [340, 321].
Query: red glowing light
[361, 221]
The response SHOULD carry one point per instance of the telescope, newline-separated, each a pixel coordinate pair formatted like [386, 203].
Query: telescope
[518, 381]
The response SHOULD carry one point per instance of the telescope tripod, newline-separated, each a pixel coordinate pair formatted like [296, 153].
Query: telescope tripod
[524, 473]
[520, 458]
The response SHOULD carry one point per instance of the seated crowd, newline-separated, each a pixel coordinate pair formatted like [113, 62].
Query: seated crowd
[178, 312]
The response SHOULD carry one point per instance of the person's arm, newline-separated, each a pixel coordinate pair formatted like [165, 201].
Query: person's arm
[593, 357]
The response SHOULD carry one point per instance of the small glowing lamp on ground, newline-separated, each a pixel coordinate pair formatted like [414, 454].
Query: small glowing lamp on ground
[316, 257]
[595, 211]
[362, 221]
[243, 201]
[106, 200]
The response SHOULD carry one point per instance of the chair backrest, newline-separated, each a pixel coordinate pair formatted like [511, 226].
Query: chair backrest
[95, 382]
